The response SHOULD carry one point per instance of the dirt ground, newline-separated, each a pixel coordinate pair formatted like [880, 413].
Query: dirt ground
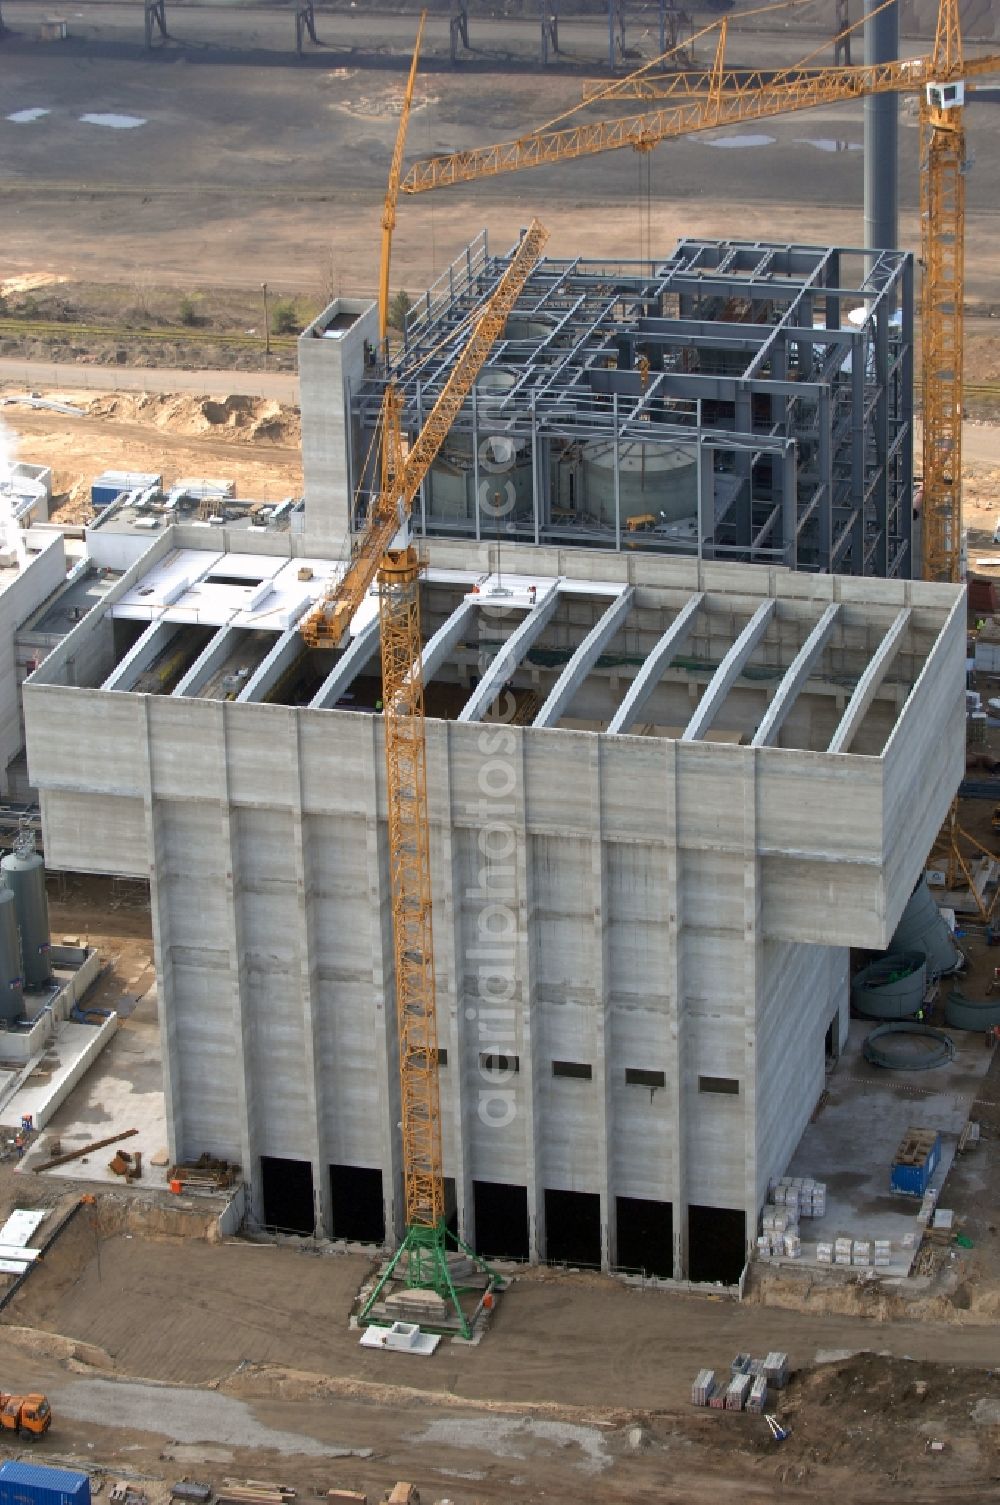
[249, 166]
[255, 442]
[166, 1355]
[580, 1383]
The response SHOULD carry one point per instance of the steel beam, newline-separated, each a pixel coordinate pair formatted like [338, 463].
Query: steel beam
[142, 653]
[728, 672]
[446, 639]
[509, 656]
[584, 659]
[868, 685]
[655, 665]
[348, 666]
[289, 646]
[796, 676]
[209, 660]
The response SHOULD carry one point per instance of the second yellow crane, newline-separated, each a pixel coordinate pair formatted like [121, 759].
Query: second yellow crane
[722, 97]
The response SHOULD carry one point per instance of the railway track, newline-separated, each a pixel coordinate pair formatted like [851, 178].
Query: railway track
[46, 328]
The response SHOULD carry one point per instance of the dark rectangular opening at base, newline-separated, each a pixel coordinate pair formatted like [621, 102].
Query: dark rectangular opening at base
[501, 1211]
[573, 1228]
[287, 1187]
[358, 1205]
[450, 1205]
[645, 1235]
[717, 1238]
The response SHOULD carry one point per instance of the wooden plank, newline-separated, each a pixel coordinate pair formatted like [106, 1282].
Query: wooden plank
[85, 1149]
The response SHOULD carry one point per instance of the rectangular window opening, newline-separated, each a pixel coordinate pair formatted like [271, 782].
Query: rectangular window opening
[442, 1055]
[245, 582]
[636, 1076]
[728, 1085]
[580, 1069]
[491, 1062]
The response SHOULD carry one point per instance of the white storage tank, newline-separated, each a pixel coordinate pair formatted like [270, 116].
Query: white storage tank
[653, 479]
[504, 463]
[524, 328]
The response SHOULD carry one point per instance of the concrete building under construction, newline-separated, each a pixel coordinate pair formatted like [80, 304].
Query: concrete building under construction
[667, 792]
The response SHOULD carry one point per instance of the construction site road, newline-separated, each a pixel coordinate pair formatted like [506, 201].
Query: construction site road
[37, 375]
[580, 1389]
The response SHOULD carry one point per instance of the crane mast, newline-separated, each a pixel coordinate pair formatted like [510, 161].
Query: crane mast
[384, 553]
[942, 230]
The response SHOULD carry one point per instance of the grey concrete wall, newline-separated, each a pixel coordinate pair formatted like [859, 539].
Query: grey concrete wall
[42, 574]
[648, 890]
[330, 369]
[683, 907]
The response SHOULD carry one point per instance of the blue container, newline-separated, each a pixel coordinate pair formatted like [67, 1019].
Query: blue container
[911, 1179]
[34, 1484]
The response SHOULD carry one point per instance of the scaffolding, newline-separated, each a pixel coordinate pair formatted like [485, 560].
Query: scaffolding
[738, 400]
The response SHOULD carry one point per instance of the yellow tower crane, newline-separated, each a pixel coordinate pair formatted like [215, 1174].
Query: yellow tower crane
[392, 192]
[384, 552]
[718, 96]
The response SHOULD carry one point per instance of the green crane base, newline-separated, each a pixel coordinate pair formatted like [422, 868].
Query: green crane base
[423, 1255]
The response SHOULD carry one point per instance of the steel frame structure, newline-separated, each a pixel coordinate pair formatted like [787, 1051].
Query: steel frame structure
[740, 353]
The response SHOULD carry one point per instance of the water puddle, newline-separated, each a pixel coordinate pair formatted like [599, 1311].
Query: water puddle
[116, 122]
[829, 144]
[746, 138]
[26, 117]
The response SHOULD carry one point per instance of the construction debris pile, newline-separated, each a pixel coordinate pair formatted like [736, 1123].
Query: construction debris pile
[204, 1174]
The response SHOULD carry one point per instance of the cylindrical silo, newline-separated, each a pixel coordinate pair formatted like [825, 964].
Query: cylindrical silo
[24, 874]
[11, 983]
[924, 928]
[657, 480]
[524, 328]
[504, 463]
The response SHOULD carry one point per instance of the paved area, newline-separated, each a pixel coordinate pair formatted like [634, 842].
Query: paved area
[851, 1142]
[122, 1090]
[47, 375]
[194, 1415]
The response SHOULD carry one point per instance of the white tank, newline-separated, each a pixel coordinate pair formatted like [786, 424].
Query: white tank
[504, 463]
[522, 327]
[661, 479]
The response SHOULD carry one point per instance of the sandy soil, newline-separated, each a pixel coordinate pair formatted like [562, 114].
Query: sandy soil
[252, 441]
[580, 1383]
[250, 167]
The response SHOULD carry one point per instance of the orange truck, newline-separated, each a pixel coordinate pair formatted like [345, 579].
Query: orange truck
[26, 1415]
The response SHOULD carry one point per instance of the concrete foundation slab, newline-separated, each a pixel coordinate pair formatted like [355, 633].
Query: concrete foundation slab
[852, 1140]
[123, 1090]
[68, 1056]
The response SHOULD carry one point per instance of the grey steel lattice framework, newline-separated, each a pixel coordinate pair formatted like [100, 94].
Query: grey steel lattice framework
[738, 400]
